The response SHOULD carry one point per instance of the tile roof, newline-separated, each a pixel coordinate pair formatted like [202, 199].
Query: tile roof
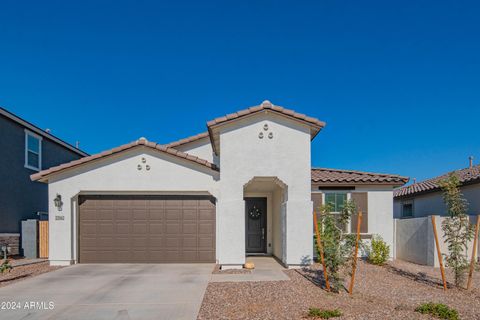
[266, 105]
[187, 140]
[336, 176]
[140, 142]
[466, 176]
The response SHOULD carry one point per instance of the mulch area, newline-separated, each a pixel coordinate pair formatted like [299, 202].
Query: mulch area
[20, 273]
[217, 270]
[389, 292]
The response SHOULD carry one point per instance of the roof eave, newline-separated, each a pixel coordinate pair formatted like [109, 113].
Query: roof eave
[98, 157]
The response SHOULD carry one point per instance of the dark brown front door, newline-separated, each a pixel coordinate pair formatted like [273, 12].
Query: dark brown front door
[256, 225]
[146, 229]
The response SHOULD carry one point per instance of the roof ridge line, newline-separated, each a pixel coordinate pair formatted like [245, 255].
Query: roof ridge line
[358, 171]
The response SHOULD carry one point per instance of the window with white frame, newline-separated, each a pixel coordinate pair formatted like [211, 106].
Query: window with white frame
[336, 202]
[33, 151]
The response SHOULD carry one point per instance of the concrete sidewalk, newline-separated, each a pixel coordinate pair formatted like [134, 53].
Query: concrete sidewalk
[266, 269]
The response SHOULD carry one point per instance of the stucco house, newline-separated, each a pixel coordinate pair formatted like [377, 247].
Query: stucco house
[244, 187]
[416, 203]
[25, 149]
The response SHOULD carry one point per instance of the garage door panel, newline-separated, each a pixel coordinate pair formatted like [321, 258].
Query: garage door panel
[172, 228]
[205, 256]
[190, 214]
[205, 228]
[146, 229]
[105, 242]
[206, 214]
[190, 255]
[155, 228]
[122, 214]
[190, 243]
[140, 214]
[122, 228]
[189, 228]
[104, 215]
[173, 242]
[89, 228]
[206, 242]
[140, 228]
[122, 242]
[106, 228]
[173, 213]
[156, 214]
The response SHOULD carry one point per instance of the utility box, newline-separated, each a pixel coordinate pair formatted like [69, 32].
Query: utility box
[29, 238]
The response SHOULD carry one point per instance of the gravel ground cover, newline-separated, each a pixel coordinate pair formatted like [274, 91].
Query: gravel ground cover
[389, 292]
[20, 273]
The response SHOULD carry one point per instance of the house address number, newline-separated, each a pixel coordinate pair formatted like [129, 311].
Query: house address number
[59, 218]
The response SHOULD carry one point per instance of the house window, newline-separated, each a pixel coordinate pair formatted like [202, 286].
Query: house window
[336, 201]
[33, 151]
[407, 209]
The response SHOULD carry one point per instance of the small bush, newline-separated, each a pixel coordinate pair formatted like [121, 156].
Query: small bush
[324, 314]
[438, 310]
[379, 251]
[5, 266]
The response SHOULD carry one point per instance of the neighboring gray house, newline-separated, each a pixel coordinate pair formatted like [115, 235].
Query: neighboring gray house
[413, 206]
[25, 149]
[424, 198]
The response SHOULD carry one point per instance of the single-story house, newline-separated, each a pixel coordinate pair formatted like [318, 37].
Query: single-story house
[425, 198]
[26, 149]
[244, 187]
[416, 203]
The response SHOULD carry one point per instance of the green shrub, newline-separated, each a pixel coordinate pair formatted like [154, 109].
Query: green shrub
[5, 266]
[379, 252]
[324, 314]
[438, 310]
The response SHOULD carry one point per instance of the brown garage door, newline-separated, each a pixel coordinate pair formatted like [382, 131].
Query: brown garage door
[146, 229]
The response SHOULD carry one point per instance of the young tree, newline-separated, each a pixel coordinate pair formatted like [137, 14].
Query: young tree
[457, 228]
[337, 244]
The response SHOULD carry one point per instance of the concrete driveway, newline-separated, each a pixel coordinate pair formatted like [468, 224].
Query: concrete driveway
[110, 291]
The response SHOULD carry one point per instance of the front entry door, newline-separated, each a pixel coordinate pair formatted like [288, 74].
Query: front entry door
[256, 225]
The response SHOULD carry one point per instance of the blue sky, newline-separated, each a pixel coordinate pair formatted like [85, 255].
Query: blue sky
[398, 82]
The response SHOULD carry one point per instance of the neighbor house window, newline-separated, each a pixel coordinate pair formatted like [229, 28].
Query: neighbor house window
[33, 151]
[407, 209]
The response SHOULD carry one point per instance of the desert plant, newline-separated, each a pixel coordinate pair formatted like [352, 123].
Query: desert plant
[324, 314]
[438, 310]
[337, 245]
[5, 266]
[379, 251]
[456, 228]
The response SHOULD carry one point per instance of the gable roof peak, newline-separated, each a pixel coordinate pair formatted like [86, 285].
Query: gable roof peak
[266, 104]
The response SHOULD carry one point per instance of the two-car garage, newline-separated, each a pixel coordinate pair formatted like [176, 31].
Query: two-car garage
[146, 229]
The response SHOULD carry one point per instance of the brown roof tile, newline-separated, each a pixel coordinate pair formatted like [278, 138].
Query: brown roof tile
[140, 142]
[466, 176]
[336, 176]
[266, 105]
[187, 140]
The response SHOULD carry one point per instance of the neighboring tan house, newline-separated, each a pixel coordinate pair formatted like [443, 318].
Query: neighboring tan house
[424, 198]
[242, 188]
[26, 149]
[415, 204]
